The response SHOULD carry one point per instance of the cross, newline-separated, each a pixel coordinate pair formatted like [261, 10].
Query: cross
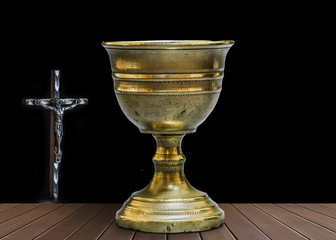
[57, 106]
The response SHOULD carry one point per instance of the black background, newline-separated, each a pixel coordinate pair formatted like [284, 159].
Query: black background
[267, 140]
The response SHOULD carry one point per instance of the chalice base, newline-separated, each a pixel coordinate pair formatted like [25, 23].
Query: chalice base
[170, 215]
[169, 204]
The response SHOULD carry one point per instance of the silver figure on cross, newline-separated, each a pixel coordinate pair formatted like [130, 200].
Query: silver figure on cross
[57, 106]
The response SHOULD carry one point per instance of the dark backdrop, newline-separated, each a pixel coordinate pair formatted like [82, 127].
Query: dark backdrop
[266, 140]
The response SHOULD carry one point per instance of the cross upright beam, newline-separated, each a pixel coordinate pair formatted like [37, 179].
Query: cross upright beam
[57, 107]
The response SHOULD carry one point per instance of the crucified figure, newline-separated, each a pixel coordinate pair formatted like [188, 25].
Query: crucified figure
[55, 105]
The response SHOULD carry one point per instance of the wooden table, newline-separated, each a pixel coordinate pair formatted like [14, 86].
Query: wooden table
[96, 221]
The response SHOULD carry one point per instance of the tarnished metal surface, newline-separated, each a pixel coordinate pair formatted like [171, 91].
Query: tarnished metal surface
[168, 88]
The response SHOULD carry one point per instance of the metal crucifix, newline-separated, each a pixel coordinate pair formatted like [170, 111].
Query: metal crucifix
[57, 106]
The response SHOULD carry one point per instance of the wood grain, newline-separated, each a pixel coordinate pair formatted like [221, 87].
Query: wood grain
[45, 221]
[328, 205]
[32, 230]
[221, 233]
[274, 229]
[184, 236]
[73, 223]
[323, 209]
[299, 224]
[318, 218]
[97, 225]
[240, 226]
[16, 211]
[6, 206]
[14, 224]
[149, 236]
[113, 230]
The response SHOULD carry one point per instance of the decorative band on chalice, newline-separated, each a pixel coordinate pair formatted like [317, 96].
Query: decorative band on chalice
[162, 85]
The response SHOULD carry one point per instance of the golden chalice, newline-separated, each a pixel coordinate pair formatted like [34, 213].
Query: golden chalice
[167, 89]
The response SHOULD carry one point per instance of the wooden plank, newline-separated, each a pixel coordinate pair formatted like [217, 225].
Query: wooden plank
[42, 224]
[184, 236]
[113, 231]
[71, 224]
[221, 233]
[240, 226]
[323, 220]
[97, 225]
[299, 224]
[149, 236]
[28, 217]
[321, 209]
[6, 206]
[267, 224]
[14, 212]
[329, 205]
[96, 221]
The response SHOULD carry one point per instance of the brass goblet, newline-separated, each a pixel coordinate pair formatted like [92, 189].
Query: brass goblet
[167, 89]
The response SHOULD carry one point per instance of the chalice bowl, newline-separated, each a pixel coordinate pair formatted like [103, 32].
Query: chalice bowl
[167, 89]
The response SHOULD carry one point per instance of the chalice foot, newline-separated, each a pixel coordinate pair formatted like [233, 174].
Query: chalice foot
[169, 204]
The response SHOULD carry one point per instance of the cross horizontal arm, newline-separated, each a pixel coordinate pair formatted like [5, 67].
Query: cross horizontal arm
[47, 101]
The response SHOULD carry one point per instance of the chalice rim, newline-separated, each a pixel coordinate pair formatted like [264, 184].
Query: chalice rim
[168, 44]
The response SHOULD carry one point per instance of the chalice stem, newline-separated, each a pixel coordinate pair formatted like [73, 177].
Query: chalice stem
[169, 165]
[168, 150]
